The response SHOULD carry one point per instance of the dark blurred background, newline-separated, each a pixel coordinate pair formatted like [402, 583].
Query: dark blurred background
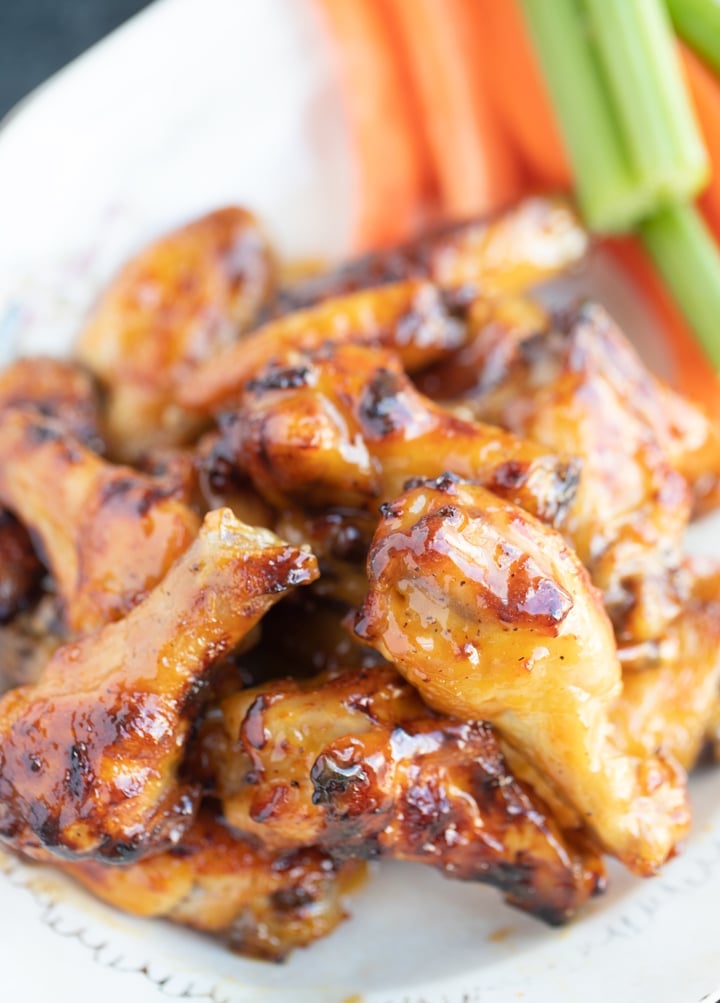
[38, 37]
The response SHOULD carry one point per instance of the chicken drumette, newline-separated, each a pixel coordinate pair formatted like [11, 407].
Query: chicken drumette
[493, 617]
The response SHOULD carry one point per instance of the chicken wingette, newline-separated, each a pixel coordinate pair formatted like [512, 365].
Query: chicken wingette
[505, 253]
[345, 426]
[354, 762]
[90, 754]
[177, 303]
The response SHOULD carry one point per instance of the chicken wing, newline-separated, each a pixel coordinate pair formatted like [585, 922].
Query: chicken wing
[261, 903]
[491, 615]
[107, 533]
[580, 388]
[176, 304]
[505, 253]
[345, 427]
[89, 756]
[354, 762]
[414, 318]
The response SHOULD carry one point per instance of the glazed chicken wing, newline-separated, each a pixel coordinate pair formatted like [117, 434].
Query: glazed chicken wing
[262, 903]
[176, 304]
[345, 427]
[354, 762]
[89, 756]
[580, 388]
[415, 319]
[107, 533]
[520, 247]
[491, 615]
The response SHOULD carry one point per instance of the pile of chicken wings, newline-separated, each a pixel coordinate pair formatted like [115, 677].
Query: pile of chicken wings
[385, 562]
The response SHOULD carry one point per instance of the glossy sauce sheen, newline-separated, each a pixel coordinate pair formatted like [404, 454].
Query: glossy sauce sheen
[89, 756]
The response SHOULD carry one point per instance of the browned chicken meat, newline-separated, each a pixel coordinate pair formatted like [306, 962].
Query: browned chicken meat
[260, 902]
[344, 426]
[354, 762]
[177, 303]
[506, 253]
[107, 533]
[492, 616]
[89, 756]
[580, 388]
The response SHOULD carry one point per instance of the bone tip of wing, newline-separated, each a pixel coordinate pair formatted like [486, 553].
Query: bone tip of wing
[223, 527]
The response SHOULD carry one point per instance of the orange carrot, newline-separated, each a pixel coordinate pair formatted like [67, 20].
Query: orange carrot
[391, 169]
[519, 93]
[693, 373]
[475, 167]
[705, 93]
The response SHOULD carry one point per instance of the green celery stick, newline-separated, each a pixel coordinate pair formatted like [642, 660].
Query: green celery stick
[687, 257]
[639, 63]
[612, 196]
[698, 22]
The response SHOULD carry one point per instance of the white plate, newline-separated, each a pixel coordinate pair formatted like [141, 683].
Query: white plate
[194, 104]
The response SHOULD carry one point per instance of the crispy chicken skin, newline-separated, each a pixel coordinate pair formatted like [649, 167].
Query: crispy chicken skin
[55, 388]
[177, 303]
[89, 756]
[669, 704]
[580, 387]
[530, 243]
[418, 321]
[354, 762]
[491, 615]
[261, 903]
[345, 427]
[107, 533]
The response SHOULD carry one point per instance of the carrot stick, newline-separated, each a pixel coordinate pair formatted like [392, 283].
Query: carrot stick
[475, 167]
[705, 93]
[391, 169]
[519, 93]
[693, 374]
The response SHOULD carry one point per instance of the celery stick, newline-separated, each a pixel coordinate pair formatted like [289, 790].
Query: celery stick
[612, 195]
[688, 259]
[698, 22]
[637, 57]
